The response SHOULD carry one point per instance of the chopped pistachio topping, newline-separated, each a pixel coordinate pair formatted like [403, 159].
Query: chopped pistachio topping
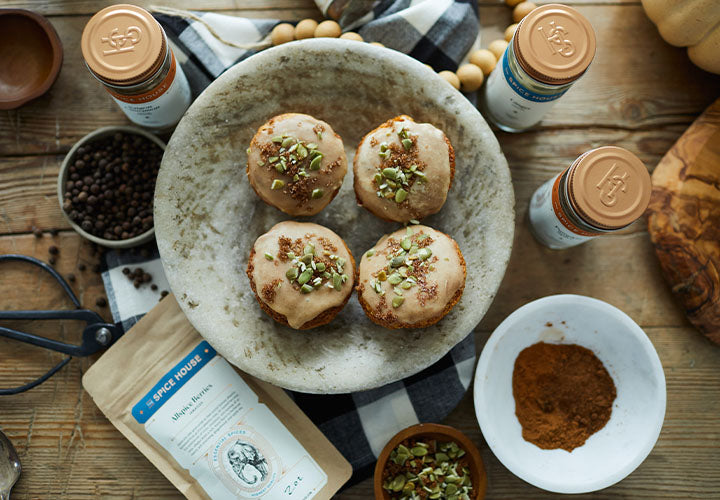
[403, 264]
[269, 256]
[317, 193]
[414, 221]
[370, 252]
[395, 177]
[315, 162]
[293, 158]
[310, 273]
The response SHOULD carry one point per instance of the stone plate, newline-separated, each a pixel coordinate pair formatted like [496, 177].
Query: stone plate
[207, 216]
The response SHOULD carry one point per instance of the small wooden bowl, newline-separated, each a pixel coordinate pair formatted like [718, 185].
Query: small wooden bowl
[30, 57]
[63, 175]
[442, 433]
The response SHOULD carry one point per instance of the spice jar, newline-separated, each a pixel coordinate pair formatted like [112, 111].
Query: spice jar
[550, 50]
[604, 190]
[126, 49]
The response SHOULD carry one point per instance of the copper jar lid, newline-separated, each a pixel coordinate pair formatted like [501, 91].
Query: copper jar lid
[609, 187]
[554, 44]
[123, 44]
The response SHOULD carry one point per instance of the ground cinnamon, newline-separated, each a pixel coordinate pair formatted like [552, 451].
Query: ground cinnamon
[563, 395]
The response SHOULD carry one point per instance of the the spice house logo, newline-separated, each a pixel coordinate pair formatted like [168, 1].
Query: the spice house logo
[554, 38]
[611, 184]
[122, 42]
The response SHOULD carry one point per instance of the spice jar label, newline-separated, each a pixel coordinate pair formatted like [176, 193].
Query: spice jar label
[513, 104]
[204, 414]
[160, 107]
[548, 221]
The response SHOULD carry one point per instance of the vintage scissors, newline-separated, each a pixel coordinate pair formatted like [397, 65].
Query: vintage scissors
[97, 334]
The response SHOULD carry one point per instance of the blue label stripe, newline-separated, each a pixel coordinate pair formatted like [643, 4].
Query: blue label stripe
[521, 90]
[172, 381]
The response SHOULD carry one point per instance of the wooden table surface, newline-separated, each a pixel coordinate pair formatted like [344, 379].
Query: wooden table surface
[640, 94]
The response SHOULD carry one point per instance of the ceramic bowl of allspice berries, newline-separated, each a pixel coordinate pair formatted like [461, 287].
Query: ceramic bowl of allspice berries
[570, 394]
[106, 185]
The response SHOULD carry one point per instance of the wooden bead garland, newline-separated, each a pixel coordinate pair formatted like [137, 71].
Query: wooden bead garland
[468, 78]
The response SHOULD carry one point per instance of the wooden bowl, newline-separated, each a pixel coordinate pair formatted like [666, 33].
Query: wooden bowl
[63, 175]
[30, 57]
[439, 432]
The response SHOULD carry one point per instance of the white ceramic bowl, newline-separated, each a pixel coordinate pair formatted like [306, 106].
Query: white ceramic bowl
[614, 451]
[63, 175]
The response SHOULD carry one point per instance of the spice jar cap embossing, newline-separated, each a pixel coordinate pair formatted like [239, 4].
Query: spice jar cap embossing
[554, 44]
[123, 44]
[609, 187]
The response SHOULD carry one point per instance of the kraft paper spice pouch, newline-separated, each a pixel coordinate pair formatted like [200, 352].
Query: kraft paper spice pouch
[214, 432]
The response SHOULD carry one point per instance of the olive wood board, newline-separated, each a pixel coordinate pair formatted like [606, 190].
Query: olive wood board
[684, 220]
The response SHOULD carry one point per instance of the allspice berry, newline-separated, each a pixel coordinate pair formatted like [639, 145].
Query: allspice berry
[282, 33]
[510, 31]
[328, 29]
[484, 59]
[451, 78]
[470, 76]
[351, 35]
[497, 47]
[512, 3]
[305, 29]
[522, 9]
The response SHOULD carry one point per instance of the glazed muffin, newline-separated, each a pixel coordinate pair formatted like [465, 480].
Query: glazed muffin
[403, 170]
[302, 274]
[411, 278]
[296, 163]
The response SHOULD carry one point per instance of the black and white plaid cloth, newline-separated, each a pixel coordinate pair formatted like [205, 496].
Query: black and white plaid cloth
[437, 32]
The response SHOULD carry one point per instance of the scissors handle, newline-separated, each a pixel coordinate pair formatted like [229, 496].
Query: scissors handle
[96, 336]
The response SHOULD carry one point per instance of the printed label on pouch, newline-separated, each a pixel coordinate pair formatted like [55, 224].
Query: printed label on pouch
[511, 103]
[211, 422]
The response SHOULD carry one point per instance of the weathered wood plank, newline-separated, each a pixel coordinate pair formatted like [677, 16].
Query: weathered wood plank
[651, 85]
[89, 7]
[68, 447]
[28, 190]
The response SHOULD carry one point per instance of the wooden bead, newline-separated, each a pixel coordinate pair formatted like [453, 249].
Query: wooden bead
[512, 3]
[328, 29]
[522, 9]
[510, 31]
[497, 47]
[484, 59]
[282, 33]
[351, 35]
[470, 76]
[305, 29]
[377, 44]
[451, 78]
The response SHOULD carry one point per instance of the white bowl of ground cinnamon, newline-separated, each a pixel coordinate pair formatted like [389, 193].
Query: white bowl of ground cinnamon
[570, 394]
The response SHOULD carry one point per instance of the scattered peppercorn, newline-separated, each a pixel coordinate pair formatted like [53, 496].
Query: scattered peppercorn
[164, 293]
[101, 302]
[110, 185]
[52, 260]
[82, 266]
[37, 232]
[126, 271]
[53, 250]
[71, 277]
[153, 287]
